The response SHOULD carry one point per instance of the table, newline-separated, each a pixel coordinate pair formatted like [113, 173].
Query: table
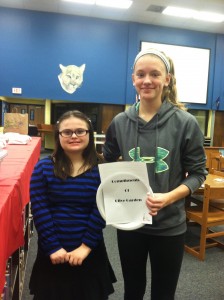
[197, 196]
[47, 136]
[41, 131]
[211, 180]
[15, 171]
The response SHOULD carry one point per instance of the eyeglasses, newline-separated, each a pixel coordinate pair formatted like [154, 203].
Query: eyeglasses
[78, 132]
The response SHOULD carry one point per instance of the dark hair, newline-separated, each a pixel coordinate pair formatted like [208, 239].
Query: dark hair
[62, 164]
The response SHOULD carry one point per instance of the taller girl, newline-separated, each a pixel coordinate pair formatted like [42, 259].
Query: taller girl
[157, 130]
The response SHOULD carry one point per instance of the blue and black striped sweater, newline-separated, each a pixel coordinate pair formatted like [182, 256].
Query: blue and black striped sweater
[65, 211]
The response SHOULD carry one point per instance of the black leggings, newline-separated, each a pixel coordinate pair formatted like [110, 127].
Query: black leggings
[166, 255]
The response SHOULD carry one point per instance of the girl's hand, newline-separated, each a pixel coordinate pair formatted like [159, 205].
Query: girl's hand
[155, 203]
[77, 256]
[58, 257]
[158, 201]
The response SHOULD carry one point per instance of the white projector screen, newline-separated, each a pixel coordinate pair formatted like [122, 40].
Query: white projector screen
[191, 70]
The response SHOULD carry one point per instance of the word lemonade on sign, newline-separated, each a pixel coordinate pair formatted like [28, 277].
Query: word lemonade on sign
[125, 192]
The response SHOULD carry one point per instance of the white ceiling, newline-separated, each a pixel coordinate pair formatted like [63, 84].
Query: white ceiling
[136, 13]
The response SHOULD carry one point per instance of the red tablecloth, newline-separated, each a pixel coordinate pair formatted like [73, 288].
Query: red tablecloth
[15, 172]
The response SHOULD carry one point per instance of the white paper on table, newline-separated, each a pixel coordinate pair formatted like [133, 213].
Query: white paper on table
[3, 153]
[125, 186]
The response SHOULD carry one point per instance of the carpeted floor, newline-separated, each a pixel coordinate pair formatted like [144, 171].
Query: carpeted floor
[198, 280]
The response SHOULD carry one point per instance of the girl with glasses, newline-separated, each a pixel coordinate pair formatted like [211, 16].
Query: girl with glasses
[72, 261]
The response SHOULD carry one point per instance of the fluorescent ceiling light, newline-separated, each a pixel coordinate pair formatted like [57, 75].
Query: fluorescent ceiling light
[209, 17]
[179, 12]
[124, 4]
[82, 1]
[194, 14]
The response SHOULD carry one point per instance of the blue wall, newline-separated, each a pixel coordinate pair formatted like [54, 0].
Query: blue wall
[218, 85]
[33, 44]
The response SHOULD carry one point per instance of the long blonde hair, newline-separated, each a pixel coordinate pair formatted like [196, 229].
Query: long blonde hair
[170, 91]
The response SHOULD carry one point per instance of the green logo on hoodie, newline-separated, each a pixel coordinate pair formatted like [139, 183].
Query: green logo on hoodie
[161, 154]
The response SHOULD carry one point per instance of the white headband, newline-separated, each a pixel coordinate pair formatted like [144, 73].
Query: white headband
[155, 52]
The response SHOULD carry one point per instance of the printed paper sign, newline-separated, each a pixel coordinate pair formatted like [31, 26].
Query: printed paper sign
[125, 186]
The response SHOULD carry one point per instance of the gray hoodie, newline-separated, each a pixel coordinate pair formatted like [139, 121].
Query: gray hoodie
[172, 146]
